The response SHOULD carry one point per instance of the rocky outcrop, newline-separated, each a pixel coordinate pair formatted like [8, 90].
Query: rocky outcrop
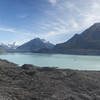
[29, 82]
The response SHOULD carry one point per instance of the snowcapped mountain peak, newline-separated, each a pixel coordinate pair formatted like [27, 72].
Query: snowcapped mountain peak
[43, 40]
[8, 45]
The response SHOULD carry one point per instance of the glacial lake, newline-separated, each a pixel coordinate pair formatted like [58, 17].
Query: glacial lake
[55, 60]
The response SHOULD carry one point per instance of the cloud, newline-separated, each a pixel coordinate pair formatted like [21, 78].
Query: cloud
[74, 16]
[68, 17]
[64, 18]
[7, 29]
[53, 2]
[23, 16]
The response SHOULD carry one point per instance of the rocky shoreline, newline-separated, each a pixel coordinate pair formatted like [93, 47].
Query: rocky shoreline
[29, 82]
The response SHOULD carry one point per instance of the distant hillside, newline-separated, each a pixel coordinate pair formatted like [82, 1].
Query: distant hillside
[88, 42]
[35, 45]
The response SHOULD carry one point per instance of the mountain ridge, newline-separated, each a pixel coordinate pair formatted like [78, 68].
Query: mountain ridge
[35, 44]
[88, 42]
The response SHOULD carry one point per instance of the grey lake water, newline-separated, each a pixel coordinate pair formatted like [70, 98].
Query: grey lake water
[55, 60]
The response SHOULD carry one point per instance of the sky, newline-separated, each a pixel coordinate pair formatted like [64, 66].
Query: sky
[53, 20]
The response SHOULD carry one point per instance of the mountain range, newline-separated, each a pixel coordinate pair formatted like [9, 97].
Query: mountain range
[9, 45]
[5, 47]
[88, 42]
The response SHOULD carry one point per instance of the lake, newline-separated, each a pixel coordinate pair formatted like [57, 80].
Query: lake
[55, 60]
